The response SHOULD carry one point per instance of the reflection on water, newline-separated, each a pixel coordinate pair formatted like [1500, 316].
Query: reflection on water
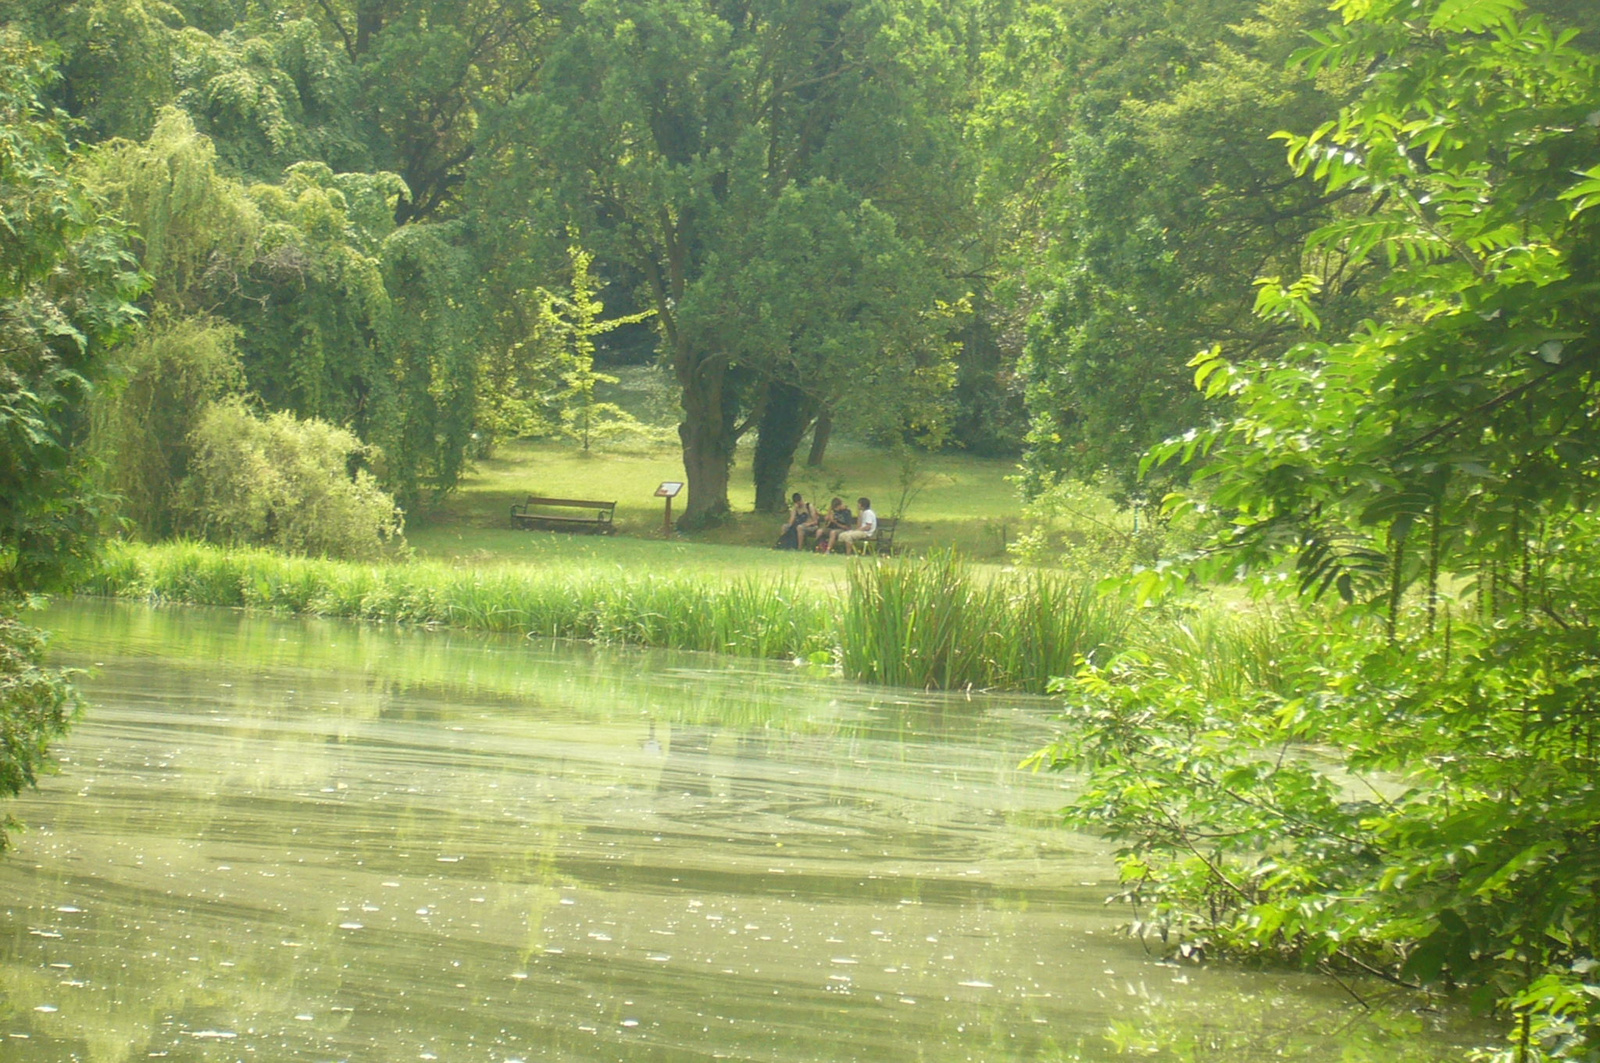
[302, 840]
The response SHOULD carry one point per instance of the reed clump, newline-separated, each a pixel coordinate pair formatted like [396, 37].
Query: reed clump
[1228, 654]
[932, 622]
[926, 622]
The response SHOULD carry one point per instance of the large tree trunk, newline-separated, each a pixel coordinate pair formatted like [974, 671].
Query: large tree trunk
[369, 21]
[708, 443]
[819, 439]
[784, 420]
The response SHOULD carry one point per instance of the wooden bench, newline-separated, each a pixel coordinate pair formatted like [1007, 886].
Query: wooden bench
[881, 544]
[523, 515]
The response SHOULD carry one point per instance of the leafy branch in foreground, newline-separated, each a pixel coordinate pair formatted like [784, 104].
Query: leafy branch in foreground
[65, 284]
[38, 705]
[1410, 794]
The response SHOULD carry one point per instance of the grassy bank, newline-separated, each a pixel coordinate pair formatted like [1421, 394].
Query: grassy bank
[918, 622]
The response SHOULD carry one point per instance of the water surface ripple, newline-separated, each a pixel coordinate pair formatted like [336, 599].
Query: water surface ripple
[301, 840]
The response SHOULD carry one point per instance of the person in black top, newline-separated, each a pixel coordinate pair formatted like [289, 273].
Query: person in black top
[802, 518]
[838, 518]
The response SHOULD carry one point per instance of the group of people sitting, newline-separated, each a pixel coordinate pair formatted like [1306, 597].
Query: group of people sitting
[828, 530]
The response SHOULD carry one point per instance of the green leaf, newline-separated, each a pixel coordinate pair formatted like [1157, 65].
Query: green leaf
[1586, 192]
[1473, 16]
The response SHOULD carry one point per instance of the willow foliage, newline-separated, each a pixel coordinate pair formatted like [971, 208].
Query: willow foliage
[338, 314]
[432, 339]
[194, 228]
[140, 438]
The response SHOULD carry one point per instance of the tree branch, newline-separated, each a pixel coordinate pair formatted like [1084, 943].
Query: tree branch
[1455, 424]
[349, 41]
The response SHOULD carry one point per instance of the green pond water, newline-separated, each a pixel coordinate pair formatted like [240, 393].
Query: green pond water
[277, 839]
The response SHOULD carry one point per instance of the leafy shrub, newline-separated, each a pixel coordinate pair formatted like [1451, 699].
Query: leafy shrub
[1073, 525]
[283, 482]
[36, 705]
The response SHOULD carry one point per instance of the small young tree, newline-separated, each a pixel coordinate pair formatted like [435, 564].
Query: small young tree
[546, 381]
[575, 322]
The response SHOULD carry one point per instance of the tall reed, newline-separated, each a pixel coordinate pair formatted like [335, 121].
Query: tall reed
[933, 623]
[1225, 654]
[748, 617]
[930, 622]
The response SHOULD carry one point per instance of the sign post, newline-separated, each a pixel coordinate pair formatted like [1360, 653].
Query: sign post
[668, 490]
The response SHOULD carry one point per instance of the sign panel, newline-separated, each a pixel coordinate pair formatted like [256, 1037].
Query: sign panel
[669, 489]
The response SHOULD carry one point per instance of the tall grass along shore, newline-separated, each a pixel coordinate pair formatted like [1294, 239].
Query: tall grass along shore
[916, 622]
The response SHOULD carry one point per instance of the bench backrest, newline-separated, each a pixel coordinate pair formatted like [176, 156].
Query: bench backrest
[575, 503]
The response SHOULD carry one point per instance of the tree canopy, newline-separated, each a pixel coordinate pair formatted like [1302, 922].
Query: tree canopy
[691, 141]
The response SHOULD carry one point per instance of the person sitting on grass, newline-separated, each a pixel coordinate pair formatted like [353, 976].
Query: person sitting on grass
[837, 519]
[802, 518]
[865, 529]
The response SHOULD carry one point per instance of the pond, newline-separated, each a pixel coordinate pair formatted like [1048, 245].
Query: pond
[278, 839]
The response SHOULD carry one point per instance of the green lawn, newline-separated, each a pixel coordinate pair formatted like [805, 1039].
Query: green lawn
[955, 500]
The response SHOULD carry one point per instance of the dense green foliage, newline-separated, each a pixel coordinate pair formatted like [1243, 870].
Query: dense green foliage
[1167, 198]
[336, 313]
[252, 159]
[1454, 843]
[36, 705]
[171, 373]
[65, 284]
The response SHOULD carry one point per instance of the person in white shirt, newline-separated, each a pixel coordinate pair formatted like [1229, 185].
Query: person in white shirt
[866, 528]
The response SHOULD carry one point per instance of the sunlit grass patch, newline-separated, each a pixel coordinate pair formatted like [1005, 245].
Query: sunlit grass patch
[951, 500]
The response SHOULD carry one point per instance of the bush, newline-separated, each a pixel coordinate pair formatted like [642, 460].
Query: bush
[36, 705]
[1076, 526]
[283, 482]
